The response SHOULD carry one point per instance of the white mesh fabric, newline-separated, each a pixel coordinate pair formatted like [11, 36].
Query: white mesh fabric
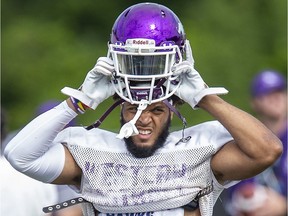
[206, 204]
[87, 209]
[120, 183]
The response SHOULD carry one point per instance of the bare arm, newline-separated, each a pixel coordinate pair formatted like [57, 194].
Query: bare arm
[254, 147]
[71, 173]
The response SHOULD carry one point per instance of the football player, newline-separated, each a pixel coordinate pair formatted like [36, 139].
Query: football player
[145, 169]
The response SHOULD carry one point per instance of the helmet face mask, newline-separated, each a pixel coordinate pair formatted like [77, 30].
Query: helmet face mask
[139, 60]
[147, 40]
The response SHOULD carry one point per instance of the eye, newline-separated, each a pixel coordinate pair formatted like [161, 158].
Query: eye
[158, 110]
[132, 109]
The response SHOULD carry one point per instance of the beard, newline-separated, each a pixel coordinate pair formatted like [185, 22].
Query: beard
[146, 151]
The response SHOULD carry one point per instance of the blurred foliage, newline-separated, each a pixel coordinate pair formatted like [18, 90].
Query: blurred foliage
[47, 45]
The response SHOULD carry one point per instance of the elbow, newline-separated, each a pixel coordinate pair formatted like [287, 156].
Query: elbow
[274, 152]
[12, 159]
[13, 156]
[278, 150]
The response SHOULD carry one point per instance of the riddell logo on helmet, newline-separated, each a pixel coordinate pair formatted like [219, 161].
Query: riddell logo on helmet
[141, 42]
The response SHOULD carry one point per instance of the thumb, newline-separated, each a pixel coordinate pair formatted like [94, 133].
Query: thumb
[189, 54]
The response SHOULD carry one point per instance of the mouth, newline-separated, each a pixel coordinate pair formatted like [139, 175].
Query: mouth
[145, 132]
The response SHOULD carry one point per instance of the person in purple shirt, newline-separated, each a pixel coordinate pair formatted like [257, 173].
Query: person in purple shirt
[265, 194]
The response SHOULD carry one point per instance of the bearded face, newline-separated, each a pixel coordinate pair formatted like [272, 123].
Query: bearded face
[153, 126]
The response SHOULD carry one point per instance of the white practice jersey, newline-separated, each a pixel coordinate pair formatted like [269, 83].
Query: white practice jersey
[116, 183]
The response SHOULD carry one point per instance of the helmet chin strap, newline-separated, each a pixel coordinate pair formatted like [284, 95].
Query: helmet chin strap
[129, 128]
[102, 118]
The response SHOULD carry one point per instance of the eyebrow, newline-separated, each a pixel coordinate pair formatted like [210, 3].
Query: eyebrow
[127, 105]
[158, 106]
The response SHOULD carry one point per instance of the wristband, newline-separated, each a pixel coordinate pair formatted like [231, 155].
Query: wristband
[78, 105]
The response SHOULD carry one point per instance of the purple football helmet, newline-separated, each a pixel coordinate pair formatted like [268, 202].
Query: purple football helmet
[147, 39]
[267, 81]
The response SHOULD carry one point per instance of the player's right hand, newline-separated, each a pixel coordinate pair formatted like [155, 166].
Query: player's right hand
[97, 85]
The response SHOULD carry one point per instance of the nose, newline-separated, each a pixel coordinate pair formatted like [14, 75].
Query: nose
[145, 118]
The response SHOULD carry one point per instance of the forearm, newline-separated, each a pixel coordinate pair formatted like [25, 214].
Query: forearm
[31, 145]
[250, 135]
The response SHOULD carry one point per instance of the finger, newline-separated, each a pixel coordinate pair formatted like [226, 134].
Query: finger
[189, 55]
[107, 60]
[102, 70]
[183, 67]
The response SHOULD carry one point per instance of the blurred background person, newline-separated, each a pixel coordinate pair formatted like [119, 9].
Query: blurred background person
[265, 194]
[20, 194]
[24, 196]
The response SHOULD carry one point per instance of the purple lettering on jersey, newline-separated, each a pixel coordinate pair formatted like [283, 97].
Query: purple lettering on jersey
[87, 166]
[120, 169]
[168, 172]
[135, 172]
[123, 179]
[125, 200]
[110, 172]
[139, 198]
